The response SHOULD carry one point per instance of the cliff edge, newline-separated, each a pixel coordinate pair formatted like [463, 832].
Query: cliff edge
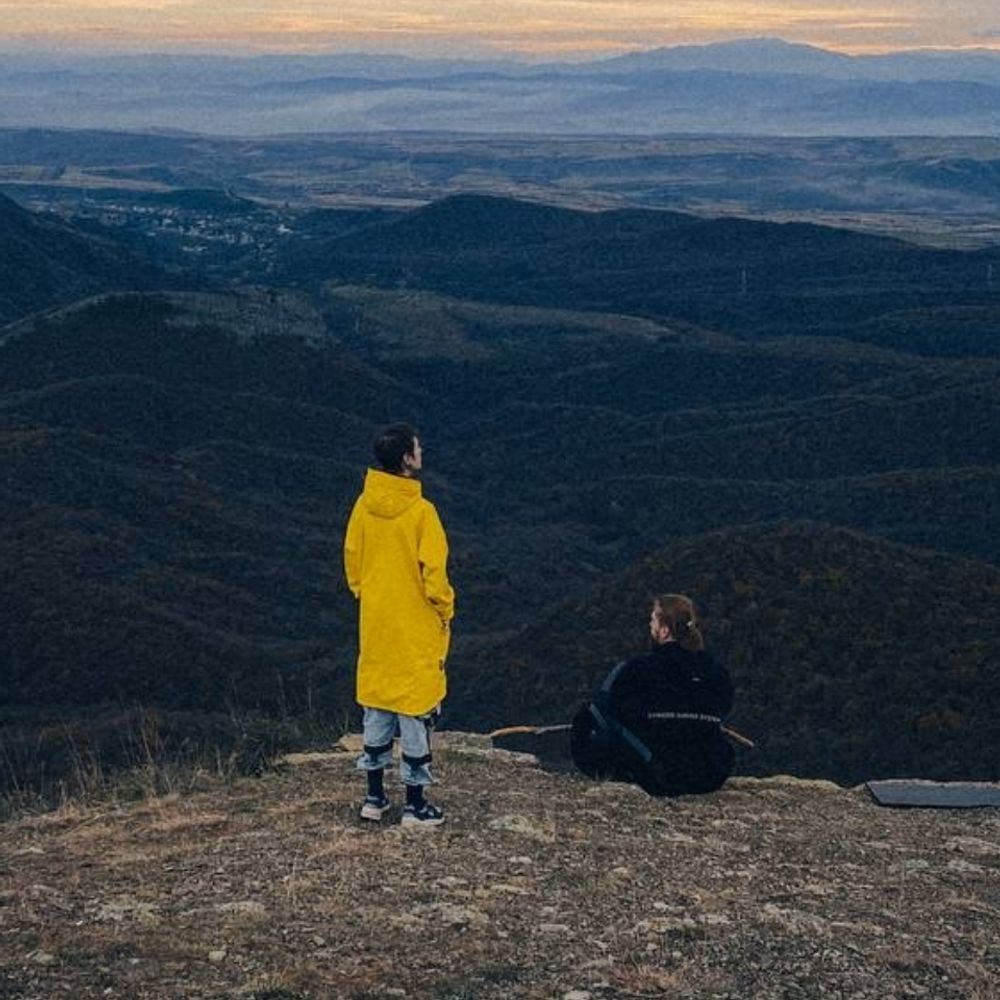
[539, 885]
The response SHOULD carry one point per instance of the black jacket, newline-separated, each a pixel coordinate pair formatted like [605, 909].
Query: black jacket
[656, 721]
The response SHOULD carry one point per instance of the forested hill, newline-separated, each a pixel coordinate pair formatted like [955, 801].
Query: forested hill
[745, 278]
[177, 469]
[851, 656]
[45, 262]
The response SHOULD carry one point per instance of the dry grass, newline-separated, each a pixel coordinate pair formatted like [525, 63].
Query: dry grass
[537, 886]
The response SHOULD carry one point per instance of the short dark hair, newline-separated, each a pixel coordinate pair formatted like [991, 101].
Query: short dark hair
[392, 444]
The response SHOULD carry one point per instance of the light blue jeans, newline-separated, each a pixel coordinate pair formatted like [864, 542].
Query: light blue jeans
[381, 728]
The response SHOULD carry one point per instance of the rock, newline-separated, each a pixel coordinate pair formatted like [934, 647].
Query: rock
[42, 958]
[121, 910]
[514, 823]
[553, 928]
[913, 865]
[451, 882]
[614, 790]
[971, 845]
[507, 756]
[963, 867]
[351, 743]
[673, 837]
[40, 891]
[453, 739]
[577, 995]
[663, 925]
[317, 757]
[244, 907]
[217, 956]
[786, 781]
[510, 890]
[796, 921]
[451, 915]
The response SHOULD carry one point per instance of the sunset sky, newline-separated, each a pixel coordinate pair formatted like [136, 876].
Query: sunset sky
[539, 28]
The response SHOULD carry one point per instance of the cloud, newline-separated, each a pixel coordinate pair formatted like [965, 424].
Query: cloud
[502, 25]
[89, 7]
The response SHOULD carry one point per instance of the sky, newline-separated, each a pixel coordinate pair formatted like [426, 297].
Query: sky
[549, 29]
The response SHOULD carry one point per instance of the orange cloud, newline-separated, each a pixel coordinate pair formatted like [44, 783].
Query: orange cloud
[502, 25]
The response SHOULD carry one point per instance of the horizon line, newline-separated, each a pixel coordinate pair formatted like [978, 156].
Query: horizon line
[54, 49]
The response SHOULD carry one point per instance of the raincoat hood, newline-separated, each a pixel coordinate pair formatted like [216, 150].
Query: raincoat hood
[389, 496]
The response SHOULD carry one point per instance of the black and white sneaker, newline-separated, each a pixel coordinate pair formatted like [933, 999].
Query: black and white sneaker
[425, 815]
[375, 807]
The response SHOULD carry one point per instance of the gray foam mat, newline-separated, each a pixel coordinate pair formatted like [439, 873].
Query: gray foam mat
[935, 794]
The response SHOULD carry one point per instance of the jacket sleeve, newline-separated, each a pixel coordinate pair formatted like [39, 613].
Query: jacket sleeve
[432, 553]
[716, 693]
[725, 691]
[353, 542]
[625, 696]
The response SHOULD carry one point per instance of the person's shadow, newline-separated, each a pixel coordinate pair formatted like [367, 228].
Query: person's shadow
[550, 744]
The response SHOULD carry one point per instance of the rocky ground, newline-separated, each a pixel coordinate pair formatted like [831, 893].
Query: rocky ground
[539, 885]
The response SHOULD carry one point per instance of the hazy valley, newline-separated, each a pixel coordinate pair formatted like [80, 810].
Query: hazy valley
[184, 188]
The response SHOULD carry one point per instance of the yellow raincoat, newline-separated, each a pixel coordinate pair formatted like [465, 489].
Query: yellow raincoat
[396, 561]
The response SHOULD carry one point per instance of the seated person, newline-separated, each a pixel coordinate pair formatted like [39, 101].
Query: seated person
[657, 718]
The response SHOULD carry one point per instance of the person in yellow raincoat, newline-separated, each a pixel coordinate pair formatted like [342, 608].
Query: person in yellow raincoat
[396, 563]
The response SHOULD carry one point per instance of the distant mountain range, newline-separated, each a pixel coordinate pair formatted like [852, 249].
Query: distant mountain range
[773, 55]
[755, 86]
